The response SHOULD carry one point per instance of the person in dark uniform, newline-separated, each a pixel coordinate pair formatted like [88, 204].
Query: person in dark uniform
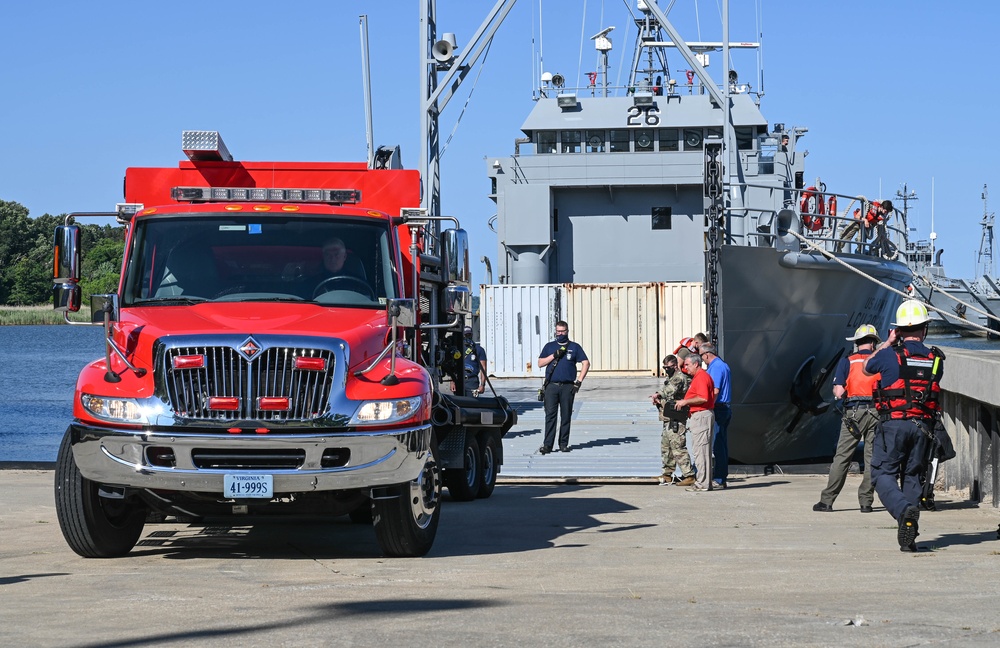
[854, 388]
[474, 365]
[907, 399]
[561, 385]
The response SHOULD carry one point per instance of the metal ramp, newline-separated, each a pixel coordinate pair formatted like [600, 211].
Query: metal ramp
[615, 433]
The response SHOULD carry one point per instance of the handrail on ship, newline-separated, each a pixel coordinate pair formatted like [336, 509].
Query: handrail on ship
[551, 92]
[833, 225]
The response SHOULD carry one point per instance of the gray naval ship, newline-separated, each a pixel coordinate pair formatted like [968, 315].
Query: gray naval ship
[958, 306]
[678, 177]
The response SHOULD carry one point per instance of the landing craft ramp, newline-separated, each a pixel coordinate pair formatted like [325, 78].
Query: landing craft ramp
[615, 432]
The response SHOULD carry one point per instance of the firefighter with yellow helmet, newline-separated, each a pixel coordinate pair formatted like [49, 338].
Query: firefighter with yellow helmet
[854, 389]
[907, 398]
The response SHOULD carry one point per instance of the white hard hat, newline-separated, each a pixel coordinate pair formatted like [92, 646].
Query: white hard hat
[865, 331]
[911, 313]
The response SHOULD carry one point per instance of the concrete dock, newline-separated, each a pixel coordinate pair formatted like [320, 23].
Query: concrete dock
[535, 565]
[572, 549]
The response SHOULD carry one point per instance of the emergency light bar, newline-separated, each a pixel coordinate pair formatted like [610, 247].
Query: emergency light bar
[254, 194]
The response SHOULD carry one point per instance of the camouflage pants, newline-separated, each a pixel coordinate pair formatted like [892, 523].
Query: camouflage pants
[673, 449]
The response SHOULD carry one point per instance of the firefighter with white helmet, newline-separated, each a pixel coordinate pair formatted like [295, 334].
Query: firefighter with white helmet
[854, 388]
[907, 398]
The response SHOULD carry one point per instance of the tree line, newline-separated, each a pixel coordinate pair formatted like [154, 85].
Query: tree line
[26, 256]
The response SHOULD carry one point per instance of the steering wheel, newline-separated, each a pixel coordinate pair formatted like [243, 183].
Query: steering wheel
[355, 284]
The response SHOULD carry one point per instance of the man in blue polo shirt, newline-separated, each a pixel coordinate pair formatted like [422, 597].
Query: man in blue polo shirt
[719, 371]
[561, 384]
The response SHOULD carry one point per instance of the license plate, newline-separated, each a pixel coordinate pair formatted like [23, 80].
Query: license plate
[243, 486]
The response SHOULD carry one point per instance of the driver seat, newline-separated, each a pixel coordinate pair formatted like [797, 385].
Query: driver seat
[354, 267]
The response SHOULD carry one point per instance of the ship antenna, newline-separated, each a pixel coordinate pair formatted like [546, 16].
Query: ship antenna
[603, 45]
[933, 236]
[906, 195]
[986, 242]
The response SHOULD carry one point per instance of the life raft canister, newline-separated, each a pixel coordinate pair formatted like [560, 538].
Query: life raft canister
[812, 203]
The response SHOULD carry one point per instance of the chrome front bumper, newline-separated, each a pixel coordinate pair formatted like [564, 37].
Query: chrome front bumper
[377, 458]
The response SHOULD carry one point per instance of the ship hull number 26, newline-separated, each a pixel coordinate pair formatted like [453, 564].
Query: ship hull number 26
[643, 116]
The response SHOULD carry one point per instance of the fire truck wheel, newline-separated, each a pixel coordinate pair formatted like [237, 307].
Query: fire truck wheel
[94, 526]
[405, 525]
[463, 483]
[489, 465]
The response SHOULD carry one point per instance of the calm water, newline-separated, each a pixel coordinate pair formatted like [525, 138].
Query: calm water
[38, 370]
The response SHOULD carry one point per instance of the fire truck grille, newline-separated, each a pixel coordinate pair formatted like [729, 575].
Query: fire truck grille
[225, 386]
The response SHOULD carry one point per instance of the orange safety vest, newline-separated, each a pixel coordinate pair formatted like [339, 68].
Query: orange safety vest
[916, 392]
[872, 217]
[859, 385]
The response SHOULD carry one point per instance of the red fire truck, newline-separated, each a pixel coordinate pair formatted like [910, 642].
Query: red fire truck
[277, 344]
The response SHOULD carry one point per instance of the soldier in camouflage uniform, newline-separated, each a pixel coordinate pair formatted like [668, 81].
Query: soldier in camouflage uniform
[673, 442]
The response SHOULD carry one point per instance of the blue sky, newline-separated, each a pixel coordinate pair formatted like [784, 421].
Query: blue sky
[891, 91]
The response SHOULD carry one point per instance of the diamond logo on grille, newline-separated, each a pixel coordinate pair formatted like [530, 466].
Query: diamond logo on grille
[249, 349]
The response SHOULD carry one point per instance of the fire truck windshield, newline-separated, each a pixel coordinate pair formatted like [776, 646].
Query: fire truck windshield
[234, 257]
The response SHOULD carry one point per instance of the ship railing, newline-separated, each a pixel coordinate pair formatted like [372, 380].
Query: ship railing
[846, 231]
[643, 89]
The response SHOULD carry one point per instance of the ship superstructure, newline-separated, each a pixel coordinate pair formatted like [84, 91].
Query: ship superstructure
[677, 177]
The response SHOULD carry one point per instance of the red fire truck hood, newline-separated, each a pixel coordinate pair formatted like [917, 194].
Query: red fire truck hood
[364, 330]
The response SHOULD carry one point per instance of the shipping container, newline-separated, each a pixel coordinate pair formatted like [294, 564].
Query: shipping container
[622, 327]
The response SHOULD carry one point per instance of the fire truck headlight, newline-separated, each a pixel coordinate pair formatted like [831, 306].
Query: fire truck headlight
[119, 410]
[391, 411]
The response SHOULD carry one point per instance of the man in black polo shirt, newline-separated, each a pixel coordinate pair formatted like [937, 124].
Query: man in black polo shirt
[561, 384]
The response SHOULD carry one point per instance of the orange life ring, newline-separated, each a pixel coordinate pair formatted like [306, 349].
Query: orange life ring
[812, 203]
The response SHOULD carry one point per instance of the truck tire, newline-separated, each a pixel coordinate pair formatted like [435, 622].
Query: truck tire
[94, 526]
[489, 465]
[463, 483]
[406, 518]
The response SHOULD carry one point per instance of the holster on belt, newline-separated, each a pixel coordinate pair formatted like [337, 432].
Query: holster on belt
[927, 427]
[854, 412]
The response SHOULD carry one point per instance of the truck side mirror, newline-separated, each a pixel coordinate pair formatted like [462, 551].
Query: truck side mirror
[66, 269]
[101, 304]
[455, 256]
[66, 263]
[66, 297]
[403, 311]
[458, 300]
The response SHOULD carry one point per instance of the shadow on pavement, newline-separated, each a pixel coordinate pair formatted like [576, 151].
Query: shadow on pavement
[515, 519]
[956, 539]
